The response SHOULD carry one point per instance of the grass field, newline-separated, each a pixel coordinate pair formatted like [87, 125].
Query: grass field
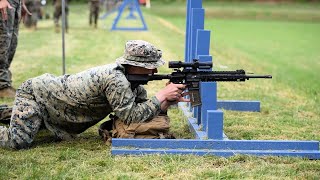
[282, 40]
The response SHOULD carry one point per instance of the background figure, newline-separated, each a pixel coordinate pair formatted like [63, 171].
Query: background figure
[94, 12]
[111, 4]
[34, 7]
[11, 12]
[58, 12]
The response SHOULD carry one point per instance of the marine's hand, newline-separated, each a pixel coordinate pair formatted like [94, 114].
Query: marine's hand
[166, 104]
[172, 92]
[24, 11]
[4, 5]
[182, 99]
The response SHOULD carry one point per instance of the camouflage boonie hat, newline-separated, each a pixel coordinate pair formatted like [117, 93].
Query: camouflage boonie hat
[142, 54]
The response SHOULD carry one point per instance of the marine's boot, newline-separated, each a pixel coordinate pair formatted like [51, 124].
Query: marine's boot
[8, 92]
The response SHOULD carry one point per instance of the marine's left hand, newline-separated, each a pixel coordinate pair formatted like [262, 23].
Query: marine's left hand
[180, 98]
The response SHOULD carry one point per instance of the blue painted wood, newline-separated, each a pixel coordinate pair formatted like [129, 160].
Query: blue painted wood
[203, 42]
[205, 58]
[196, 129]
[202, 50]
[130, 29]
[197, 22]
[134, 6]
[197, 114]
[239, 105]
[217, 144]
[190, 5]
[132, 9]
[215, 124]
[223, 153]
[208, 94]
[105, 15]
[187, 38]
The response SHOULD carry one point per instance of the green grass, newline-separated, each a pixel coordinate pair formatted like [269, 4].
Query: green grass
[288, 48]
[247, 10]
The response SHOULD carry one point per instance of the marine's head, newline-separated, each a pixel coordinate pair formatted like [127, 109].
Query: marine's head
[141, 54]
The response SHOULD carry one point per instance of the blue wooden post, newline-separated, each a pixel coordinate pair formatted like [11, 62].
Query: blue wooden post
[215, 124]
[208, 99]
[191, 4]
[203, 44]
[134, 6]
[208, 92]
[187, 39]
[196, 24]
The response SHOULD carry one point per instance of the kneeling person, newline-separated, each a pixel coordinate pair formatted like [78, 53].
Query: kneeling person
[68, 105]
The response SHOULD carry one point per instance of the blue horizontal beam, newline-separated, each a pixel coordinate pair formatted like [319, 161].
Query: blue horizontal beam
[105, 15]
[217, 144]
[196, 129]
[238, 105]
[129, 29]
[223, 153]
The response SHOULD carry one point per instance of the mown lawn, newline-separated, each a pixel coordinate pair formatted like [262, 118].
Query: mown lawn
[288, 47]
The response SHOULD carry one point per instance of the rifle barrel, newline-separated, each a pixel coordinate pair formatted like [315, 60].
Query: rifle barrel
[260, 76]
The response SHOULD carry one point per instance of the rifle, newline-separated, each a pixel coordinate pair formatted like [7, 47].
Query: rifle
[192, 74]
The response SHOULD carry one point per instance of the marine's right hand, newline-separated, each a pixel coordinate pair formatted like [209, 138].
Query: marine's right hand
[4, 5]
[171, 92]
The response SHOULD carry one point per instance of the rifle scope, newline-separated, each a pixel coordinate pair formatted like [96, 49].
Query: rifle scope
[194, 65]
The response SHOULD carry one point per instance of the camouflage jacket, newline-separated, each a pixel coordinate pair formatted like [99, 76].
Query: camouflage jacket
[73, 103]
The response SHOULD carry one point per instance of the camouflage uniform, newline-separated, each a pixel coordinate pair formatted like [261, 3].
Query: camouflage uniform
[94, 12]
[58, 12]
[70, 104]
[8, 41]
[34, 6]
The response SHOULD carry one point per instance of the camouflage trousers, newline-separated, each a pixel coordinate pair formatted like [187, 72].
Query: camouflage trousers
[8, 41]
[94, 12]
[58, 13]
[34, 7]
[26, 120]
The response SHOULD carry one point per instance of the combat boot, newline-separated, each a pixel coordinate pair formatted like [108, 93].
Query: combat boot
[8, 92]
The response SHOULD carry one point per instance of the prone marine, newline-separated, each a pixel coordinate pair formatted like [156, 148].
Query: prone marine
[70, 104]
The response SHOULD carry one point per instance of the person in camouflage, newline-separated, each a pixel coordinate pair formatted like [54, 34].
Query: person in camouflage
[11, 12]
[112, 4]
[94, 12]
[34, 6]
[58, 12]
[68, 105]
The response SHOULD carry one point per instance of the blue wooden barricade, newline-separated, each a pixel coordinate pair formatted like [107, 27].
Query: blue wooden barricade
[134, 11]
[206, 121]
